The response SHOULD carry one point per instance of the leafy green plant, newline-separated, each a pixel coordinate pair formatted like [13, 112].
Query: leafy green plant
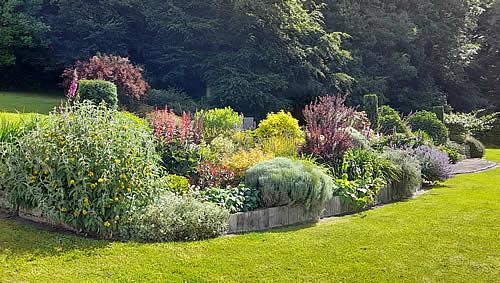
[471, 123]
[219, 148]
[429, 123]
[390, 121]
[177, 184]
[283, 181]
[238, 199]
[219, 121]
[455, 151]
[361, 174]
[281, 124]
[175, 218]
[98, 91]
[89, 168]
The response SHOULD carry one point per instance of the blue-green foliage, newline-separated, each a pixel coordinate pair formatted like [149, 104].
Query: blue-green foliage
[283, 181]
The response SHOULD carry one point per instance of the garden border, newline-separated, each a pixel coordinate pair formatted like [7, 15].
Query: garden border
[275, 217]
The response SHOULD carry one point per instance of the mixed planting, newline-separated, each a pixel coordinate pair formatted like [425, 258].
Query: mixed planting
[173, 174]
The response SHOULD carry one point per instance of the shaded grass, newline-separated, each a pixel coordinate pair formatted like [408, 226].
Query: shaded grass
[449, 234]
[25, 102]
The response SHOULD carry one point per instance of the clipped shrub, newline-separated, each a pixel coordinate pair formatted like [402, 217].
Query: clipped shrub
[118, 70]
[434, 163]
[370, 103]
[476, 148]
[238, 199]
[176, 218]
[439, 111]
[177, 184]
[457, 132]
[219, 121]
[241, 161]
[408, 177]
[173, 98]
[89, 168]
[283, 181]
[98, 91]
[212, 175]
[390, 121]
[429, 123]
[328, 121]
[281, 124]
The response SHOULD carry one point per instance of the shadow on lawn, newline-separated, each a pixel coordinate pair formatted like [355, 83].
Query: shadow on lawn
[21, 237]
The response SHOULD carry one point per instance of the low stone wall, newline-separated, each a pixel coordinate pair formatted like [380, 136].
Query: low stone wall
[257, 220]
[274, 217]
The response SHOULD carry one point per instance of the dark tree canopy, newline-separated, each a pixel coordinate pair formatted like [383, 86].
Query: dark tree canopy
[263, 55]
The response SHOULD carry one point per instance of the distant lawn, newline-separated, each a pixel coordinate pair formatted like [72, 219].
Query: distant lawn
[450, 234]
[27, 102]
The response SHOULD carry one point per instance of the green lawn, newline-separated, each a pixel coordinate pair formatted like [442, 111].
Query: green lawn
[452, 234]
[26, 102]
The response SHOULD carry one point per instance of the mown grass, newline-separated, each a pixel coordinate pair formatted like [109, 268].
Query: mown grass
[26, 102]
[449, 234]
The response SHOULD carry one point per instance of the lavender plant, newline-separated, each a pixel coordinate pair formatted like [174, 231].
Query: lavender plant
[434, 163]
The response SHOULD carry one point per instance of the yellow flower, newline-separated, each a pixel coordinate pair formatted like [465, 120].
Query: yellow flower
[71, 182]
[86, 201]
[129, 190]
[91, 174]
[107, 224]
[84, 212]
[101, 180]
[117, 199]
[117, 161]
[92, 186]
[36, 172]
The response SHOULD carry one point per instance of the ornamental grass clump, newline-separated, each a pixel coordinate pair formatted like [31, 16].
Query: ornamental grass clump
[408, 172]
[87, 166]
[282, 181]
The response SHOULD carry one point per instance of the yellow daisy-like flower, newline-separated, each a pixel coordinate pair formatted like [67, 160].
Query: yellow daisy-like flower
[107, 224]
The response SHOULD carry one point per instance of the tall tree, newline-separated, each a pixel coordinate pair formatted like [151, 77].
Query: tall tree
[411, 52]
[243, 53]
[19, 28]
[485, 70]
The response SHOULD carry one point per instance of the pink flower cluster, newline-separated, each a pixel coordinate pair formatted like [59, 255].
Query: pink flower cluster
[170, 127]
[73, 87]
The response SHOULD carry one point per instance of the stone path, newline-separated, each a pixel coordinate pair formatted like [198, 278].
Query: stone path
[472, 166]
